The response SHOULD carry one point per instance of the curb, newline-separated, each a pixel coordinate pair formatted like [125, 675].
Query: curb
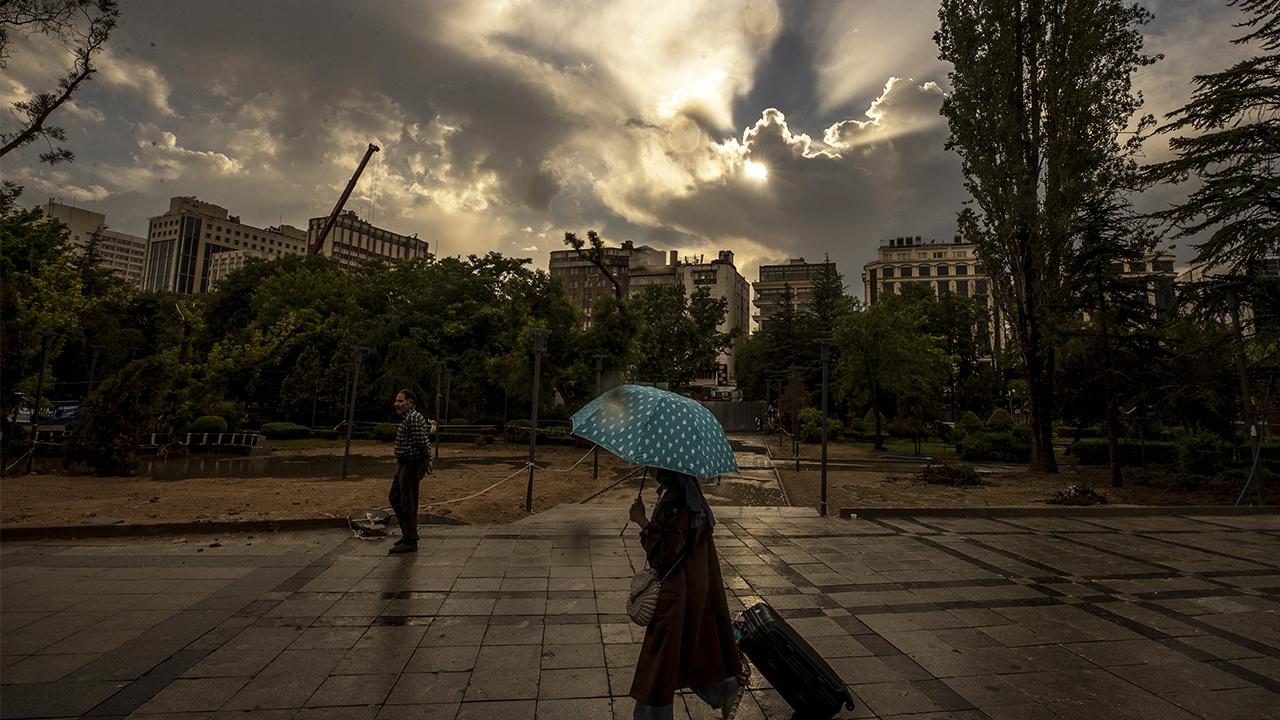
[1064, 511]
[49, 532]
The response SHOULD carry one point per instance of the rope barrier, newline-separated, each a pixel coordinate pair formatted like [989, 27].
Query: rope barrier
[476, 495]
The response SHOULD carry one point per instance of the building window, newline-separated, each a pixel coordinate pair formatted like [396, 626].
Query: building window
[906, 272]
[944, 270]
[888, 272]
[962, 270]
[925, 271]
[939, 255]
[962, 288]
[980, 287]
[888, 287]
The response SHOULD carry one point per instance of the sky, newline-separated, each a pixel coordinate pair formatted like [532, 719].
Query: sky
[772, 129]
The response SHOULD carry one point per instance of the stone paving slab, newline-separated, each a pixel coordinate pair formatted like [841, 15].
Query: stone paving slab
[1040, 616]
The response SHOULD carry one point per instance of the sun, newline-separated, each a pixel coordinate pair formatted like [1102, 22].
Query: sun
[756, 171]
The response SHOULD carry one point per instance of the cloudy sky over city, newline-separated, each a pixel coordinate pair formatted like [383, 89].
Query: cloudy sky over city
[773, 129]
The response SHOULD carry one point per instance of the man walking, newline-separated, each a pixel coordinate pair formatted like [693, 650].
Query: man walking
[413, 460]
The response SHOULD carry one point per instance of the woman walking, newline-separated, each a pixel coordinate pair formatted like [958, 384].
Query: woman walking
[690, 642]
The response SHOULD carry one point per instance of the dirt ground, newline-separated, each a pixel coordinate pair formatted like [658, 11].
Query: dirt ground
[61, 499]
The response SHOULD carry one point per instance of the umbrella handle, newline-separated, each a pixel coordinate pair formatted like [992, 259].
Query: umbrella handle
[638, 496]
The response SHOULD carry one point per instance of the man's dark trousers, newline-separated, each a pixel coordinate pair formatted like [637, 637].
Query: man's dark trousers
[404, 496]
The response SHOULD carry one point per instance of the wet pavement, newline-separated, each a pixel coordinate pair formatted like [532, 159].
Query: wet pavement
[1041, 616]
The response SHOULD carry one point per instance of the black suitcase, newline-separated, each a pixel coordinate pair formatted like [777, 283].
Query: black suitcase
[792, 666]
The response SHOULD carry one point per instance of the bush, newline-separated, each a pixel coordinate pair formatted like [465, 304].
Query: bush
[208, 424]
[385, 432]
[811, 426]
[1000, 421]
[958, 475]
[1013, 447]
[326, 434]
[1202, 453]
[1093, 451]
[285, 431]
[117, 415]
[1076, 495]
[968, 423]
[459, 421]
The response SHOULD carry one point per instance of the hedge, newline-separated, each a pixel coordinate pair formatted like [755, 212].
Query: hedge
[285, 431]
[1014, 447]
[208, 424]
[385, 432]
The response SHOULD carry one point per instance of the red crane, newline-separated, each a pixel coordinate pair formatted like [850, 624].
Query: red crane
[342, 201]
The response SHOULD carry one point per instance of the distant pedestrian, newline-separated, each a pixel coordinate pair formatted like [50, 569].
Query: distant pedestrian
[690, 642]
[413, 460]
[759, 424]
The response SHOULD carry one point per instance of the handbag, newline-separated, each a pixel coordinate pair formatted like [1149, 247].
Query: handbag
[642, 601]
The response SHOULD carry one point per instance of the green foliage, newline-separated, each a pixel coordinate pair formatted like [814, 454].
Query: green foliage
[386, 432]
[969, 423]
[208, 424]
[811, 426]
[678, 337]
[1000, 421]
[1095, 451]
[1006, 446]
[1202, 453]
[1228, 148]
[117, 416]
[284, 431]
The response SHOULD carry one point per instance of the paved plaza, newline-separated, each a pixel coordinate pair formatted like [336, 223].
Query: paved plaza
[1042, 616]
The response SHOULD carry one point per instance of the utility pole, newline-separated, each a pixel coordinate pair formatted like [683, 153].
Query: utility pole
[35, 409]
[351, 406]
[439, 375]
[595, 449]
[825, 343]
[538, 335]
[1246, 402]
[795, 417]
[448, 383]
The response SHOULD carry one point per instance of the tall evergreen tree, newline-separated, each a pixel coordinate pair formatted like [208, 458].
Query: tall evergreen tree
[1231, 146]
[1041, 93]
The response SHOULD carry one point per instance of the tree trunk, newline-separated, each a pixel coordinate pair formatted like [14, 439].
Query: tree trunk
[1039, 374]
[1108, 394]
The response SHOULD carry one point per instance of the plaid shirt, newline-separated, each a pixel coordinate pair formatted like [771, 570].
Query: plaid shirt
[412, 442]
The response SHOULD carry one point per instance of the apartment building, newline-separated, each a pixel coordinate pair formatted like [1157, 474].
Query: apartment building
[795, 276]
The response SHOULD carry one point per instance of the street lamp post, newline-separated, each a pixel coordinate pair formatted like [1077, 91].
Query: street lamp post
[538, 335]
[351, 406]
[795, 418]
[595, 449]
[93, 369]
[439, 374]
[825, 343]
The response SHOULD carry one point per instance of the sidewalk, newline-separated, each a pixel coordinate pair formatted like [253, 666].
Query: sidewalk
[1163, 617]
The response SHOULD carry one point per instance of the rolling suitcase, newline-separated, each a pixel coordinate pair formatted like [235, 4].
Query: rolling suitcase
[792, 666]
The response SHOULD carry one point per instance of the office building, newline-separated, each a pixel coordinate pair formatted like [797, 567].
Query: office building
[722, 278]
[182, 242]
[585, 284]
[122, 253]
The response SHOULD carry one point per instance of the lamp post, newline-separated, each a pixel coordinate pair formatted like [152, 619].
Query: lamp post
[825, 344]
[439, 374]
[351, 406]
[93, 369]
[538, 335]
[595, 449]
[795, 418]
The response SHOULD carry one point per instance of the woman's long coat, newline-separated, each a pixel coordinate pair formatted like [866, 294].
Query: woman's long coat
[690, 641]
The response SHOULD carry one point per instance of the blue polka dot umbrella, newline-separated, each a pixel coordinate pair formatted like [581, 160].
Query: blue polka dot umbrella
[656, 428]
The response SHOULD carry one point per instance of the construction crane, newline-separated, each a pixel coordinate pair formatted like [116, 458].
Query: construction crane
[342, 201]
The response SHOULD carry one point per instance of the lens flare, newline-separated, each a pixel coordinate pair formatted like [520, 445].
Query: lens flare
[756, 171]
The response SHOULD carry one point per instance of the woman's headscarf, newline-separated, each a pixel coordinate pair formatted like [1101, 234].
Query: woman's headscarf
[699, 511]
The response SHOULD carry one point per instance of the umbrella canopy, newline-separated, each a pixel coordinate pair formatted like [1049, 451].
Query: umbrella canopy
[647, 426]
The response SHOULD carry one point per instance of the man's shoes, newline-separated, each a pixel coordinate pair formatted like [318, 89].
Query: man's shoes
[403, 547]
[399, 542]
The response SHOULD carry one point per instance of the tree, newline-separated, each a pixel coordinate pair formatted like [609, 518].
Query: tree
[1041, 93]
[885, 354]
[678, 337]
[828, 303]
[1233, 150]
[595, 256]
[81, 27]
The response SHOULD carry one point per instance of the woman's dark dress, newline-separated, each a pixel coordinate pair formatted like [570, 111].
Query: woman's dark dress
[690, 641]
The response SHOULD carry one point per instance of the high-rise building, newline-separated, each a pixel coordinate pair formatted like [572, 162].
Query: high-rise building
[183, 241]
[795, 276]
[121, 252]
[351, 241]
[585, 284]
